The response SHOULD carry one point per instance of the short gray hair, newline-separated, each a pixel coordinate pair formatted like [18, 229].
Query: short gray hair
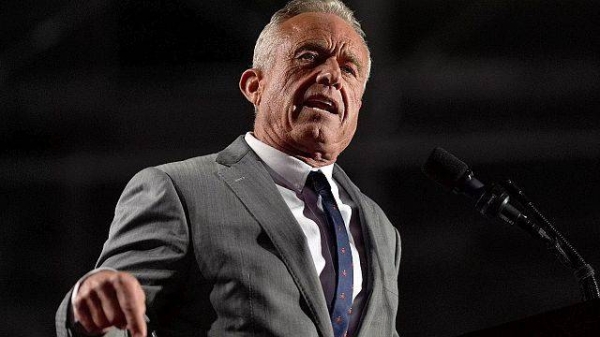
[267, 38]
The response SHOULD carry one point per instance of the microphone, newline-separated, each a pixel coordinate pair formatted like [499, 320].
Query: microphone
[454, 175]
[495, 202]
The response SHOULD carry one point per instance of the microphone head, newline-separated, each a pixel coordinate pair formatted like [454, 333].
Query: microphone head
[444, 168]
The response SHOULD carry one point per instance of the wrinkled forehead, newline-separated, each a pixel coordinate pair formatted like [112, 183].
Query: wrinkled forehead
[328, 29]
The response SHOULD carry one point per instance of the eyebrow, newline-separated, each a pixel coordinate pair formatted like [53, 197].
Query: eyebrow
[322, 48]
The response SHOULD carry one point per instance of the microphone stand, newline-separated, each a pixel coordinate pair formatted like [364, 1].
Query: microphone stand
[494, 203]
[565, 252]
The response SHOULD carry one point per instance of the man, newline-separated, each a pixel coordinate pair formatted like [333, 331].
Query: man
[250, 241]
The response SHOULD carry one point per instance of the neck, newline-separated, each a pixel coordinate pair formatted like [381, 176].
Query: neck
[315, 158]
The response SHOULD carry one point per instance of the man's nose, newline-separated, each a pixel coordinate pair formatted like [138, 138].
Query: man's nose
[330, 75]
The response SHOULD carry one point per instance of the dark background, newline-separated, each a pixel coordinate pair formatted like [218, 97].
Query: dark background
[93, 91]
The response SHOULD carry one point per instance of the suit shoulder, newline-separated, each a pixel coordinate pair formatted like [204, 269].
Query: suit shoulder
[179, 174]
[192, 167]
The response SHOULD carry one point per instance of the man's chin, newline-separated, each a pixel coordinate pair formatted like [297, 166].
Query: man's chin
[320, 133]
[321, 148]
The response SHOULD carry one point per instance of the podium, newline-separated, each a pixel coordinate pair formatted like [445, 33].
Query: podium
[578, 320]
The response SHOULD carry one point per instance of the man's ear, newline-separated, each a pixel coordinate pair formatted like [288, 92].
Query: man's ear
[250, 85]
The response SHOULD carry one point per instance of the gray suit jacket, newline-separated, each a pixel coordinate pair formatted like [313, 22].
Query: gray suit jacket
[219, 253]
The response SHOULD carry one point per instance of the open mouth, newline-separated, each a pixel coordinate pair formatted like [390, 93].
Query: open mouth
[322, 103]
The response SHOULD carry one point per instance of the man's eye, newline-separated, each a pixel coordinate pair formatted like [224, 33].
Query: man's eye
[349, 70]
[307, 57]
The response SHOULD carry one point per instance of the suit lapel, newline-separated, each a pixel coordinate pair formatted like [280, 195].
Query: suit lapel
[368, 222]
[250, 181]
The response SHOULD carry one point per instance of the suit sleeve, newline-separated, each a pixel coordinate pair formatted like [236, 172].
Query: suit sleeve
[397, 263]
[149, 238]
[397, 258]
[392, 235]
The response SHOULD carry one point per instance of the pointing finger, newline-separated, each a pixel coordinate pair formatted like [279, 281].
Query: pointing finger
[132, 302]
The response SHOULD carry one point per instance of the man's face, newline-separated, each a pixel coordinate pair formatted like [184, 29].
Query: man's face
[309, 96]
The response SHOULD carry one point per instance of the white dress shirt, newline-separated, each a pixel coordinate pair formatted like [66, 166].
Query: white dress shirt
[289, 174]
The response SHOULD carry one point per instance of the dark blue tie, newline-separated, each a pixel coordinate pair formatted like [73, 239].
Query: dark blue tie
[342, 302]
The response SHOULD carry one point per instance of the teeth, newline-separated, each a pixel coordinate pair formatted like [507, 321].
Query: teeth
[321, 104]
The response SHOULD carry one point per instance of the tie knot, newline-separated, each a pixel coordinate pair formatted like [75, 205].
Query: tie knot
[317, 181]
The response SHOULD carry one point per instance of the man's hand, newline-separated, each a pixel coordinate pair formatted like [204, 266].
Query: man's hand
[110, 299]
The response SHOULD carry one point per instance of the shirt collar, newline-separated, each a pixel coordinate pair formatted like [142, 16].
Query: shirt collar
[293, 170]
